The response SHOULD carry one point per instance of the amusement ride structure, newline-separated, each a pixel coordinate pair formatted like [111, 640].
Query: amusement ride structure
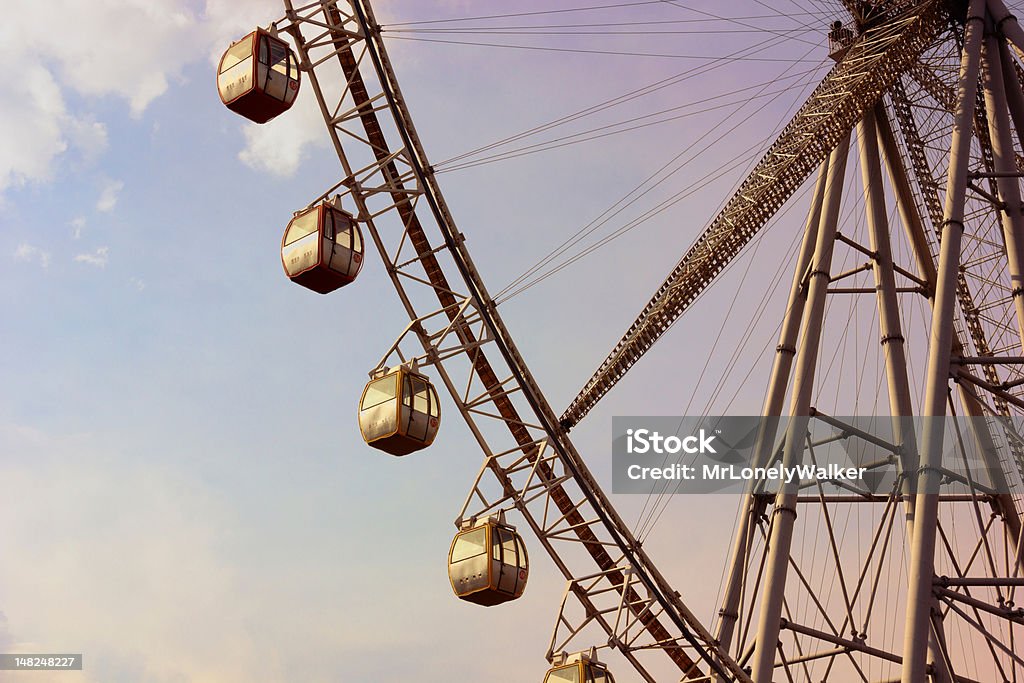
[932, 92]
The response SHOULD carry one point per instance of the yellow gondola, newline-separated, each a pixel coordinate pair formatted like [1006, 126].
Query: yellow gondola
[322, 248]
[399, 412]
[581, 667]
[487, 563]
[258, 77]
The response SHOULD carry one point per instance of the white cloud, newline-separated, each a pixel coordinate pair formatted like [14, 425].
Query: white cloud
[153, 41]
[108, 195]
[87, 136]
[137, 283]
[32, 119]
[136, 70]
[30, 254]
[279, 147]
[98, 258]
[225, 21]
[77, 225]
[77, 56]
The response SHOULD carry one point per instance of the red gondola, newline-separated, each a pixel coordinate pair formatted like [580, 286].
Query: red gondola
[322, 248]
[258, 76]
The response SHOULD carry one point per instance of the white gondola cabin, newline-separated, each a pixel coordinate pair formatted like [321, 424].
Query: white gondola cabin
[487, 564]
[399, 412]
[258, 77]
[581, 667]
[322, 248]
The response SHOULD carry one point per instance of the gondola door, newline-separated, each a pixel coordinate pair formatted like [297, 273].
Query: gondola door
[507, 563]
[342, 243]
[416, 408]
[274, 68]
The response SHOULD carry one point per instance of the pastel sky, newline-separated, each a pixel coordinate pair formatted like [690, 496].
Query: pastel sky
[184, 496]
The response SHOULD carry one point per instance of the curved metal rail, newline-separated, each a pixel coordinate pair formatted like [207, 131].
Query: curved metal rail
[539, 472]
[530, 464]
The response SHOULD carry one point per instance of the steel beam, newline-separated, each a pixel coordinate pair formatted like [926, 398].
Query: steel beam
[754, 504]
[889, 326]
[922, 552]
[1012, 217]
[800, 405]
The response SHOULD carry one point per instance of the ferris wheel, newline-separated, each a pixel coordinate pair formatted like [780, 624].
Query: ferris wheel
[932, 93]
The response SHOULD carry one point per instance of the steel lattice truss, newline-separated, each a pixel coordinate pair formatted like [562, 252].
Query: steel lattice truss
[870, 67]
[798, 613]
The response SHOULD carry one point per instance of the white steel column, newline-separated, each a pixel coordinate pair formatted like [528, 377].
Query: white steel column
[913, 226]
[1002, 78]
[1005, 165]
[889, 326]
[753, 504]
[1006, 23]
[922, 549]
[800, 403]
[1014, 96]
